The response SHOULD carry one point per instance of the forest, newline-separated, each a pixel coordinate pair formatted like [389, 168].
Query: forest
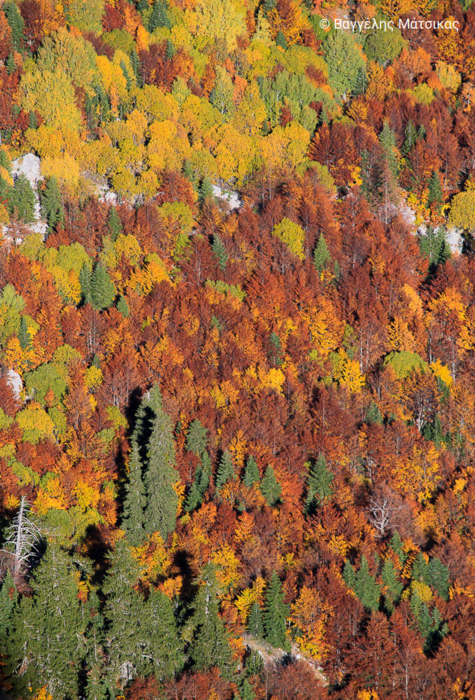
[237, 334]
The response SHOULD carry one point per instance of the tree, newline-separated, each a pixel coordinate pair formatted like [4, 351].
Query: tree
[114, 223]
[159, 17]
[292, 235]
[160, 477]
[321, 255]
[209, 646]
[162, 646]
[8, 599]
[255, 624]
[270, 487]
[46, 643]
[219, 251]
[275, 614]
[225, 471]
[435, 196]
[366, 587]
[462, 210]
[22, 200]
[392, 585]
[102, 289]
[125, 614]
[15, 20]
[51, 204]
[251, 472]
[196, 438]
[22, 538]
[319, 484]
[344, 63]
[135, 499]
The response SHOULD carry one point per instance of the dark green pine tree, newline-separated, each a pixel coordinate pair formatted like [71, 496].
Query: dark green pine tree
[275, 615]
[281, 41]
[255, 624]
[275, 350]
[373, 414]
[251, 472]
[210, 645]
[10, 64]
[433, 246]
[198, 488]
[349, 575]
[160, 476]
[8, 599]
[22, 200]
[205, 190]
[24, 334]
[135, 498]
[319, 485]
[321, 256]
[95, 662]
[45, 639]
[435, 196]
[397, 547]
[125, 618]
[189, 173]
[438, 576]
[85, 277]
[270, 487]
[123, 307]
[225, 471]
[102, 288]
[196, 438]
[136, 67]
[159, 17]
[219, 251]
[52, 204]
[170, 50]
[114, 223]
[410, 138]
[366, 588]
[393, 585]
[246, 691]
[163, 648]
[15, 20]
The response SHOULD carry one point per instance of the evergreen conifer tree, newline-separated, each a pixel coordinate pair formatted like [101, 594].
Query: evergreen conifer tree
[123, 307]
[255, 624]
[95, 663]
[125, 617]
[246, 691]
[135, 499]
[170, 50]
[387, 140]
[397, 547]
[366, 587]
[435, 190]
[22, 200]
[102, 289]
[281, 41]
[15, 20]
[393, 585]
[225, 471]
[349, 575]
[196, 438]
[410, 138]
[162, 648]
[275, 351]
[373, 414]
[219, 251]
[275, 615]
[159, 17]
[251, 472]
[8, 599]
[319, 487]
[205, 190]
[160, 475]
[114, 223]
[51, 204]
[321, 255]
[270, 487]
[46, 629]
[210, 645]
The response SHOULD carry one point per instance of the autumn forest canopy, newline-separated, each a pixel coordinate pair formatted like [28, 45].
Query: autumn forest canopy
[237, 334]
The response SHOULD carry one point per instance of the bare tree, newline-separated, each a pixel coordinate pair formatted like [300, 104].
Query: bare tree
[382, 506]
[22, 538]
